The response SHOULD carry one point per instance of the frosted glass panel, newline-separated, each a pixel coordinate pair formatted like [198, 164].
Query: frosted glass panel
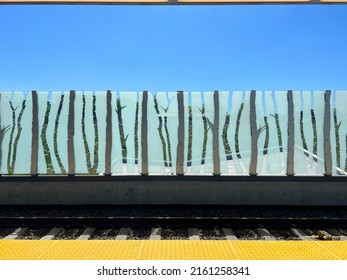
[272, 108]
[234, 143]
[217, 126]
[15, 136]
[126, 138]
[338, 133]
[162, 132]
[309, 138]
[52, 155]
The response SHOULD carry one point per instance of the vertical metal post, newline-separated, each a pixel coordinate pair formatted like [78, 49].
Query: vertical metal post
[326, 131]
[254, 135]
[35, 134]
[180, 145]
[0, 139]
[108, 149]
[144, 140]
[71, 133]
[290, 159]
[215, 142]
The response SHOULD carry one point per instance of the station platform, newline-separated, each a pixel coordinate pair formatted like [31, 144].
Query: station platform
[171, 250]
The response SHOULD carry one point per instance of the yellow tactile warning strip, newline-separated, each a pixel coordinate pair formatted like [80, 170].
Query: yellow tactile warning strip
[171, 250]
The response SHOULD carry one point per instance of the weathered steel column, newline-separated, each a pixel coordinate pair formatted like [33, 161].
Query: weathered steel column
[35, 134]
[215, 131]
[108, 149]
[290, 159]
[254, 135]
[180, 145]
[144, 136]
[71, 133]
[326, 131]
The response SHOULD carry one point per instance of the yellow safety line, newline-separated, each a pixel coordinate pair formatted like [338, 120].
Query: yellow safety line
[171, 250]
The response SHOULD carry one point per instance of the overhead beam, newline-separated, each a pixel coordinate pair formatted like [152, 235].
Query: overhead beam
[172, 2]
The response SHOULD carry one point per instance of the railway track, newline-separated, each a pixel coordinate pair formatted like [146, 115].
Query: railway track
[172, 228]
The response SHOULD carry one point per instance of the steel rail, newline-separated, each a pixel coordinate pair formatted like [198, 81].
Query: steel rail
[235, 222]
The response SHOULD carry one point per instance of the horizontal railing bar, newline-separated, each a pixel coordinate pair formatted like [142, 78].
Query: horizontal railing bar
[163, 178]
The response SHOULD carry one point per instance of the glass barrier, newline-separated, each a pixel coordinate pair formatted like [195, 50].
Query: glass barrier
[224, 133]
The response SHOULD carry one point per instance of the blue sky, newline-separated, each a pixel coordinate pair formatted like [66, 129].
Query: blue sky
[91, 47]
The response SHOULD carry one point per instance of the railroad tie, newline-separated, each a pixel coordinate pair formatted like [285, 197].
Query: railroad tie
[265, 234]
[193, 233]
[336, 233]
[229, 234]
[88, 232]
[123, 233]
[300, 234]
[52, 233]
[155, 233]
[14, 235]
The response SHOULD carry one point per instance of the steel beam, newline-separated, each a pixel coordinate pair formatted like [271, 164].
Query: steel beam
[173, 2]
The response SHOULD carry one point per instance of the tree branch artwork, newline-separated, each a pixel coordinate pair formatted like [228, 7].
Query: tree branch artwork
[45, 146]
[136, 130]
[236, 137]
[92, 170]
[206, 130]
[267, 135]
[55, 135]
[337, 125]
[190, 132]
[122, 137]
[279, 132]
[13, 143]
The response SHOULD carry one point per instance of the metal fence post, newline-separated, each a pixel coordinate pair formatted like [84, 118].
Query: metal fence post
[34, 133]
[215, 131]
[71, 132]
[180, 145]
[108, 149]
[144, 136]
[254, 135]
[326, 131]
[290, 159]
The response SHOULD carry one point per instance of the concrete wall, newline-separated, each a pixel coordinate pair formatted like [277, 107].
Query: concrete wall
[174, 190]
